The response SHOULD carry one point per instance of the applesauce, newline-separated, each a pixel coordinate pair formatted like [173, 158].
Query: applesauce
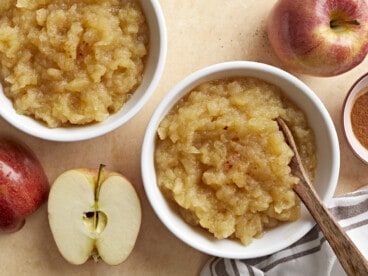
[221, 158]
[71, 62]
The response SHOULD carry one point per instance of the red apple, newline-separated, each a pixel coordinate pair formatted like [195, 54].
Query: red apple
[23, 184]
[319, 37]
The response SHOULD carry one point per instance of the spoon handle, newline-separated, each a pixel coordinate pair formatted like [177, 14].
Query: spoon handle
[348, 254]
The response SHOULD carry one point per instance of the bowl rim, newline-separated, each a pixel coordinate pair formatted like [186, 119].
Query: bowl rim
[359, 150]
[169, 100]
[38, 129]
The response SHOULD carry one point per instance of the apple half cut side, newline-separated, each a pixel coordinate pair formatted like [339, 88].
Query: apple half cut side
[94, 213]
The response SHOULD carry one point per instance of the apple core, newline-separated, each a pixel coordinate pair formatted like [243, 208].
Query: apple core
[95, 221]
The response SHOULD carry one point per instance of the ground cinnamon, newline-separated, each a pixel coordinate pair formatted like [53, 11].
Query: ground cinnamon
[359, 118]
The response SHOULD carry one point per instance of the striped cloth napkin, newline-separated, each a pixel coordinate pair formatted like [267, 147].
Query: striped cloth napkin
[311, 255]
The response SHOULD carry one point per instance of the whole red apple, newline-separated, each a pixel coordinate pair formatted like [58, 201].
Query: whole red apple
[319, 37]
[23, 184]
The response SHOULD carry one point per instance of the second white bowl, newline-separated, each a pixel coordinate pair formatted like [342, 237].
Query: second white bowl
[326, 173]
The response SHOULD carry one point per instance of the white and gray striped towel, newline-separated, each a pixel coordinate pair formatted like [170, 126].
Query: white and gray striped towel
[311, 255]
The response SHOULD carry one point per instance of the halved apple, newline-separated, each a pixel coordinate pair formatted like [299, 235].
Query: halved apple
[94, 213]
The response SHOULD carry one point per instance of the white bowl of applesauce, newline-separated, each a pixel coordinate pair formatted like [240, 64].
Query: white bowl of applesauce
[74, 71]
[215, 164]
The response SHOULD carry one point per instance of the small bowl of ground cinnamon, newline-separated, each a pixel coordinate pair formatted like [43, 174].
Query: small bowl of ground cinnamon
[355, 118]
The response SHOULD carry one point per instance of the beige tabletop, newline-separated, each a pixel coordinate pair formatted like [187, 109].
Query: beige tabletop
[200, 33]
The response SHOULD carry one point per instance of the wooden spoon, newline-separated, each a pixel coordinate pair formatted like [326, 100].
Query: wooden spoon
[348, 254]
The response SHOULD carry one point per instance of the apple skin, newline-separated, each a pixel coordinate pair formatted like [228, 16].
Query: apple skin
[23, 184]
[301, 35]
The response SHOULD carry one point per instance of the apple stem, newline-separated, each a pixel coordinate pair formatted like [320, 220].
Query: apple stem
[99, 181]
[97, 193]
[336, 23]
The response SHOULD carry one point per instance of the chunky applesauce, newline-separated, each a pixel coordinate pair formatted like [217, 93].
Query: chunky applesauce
[71, 62]
[222, 159]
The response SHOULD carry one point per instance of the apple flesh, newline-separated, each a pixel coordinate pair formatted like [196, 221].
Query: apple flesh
[94, 213]
[319, 37]
[23, 184]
